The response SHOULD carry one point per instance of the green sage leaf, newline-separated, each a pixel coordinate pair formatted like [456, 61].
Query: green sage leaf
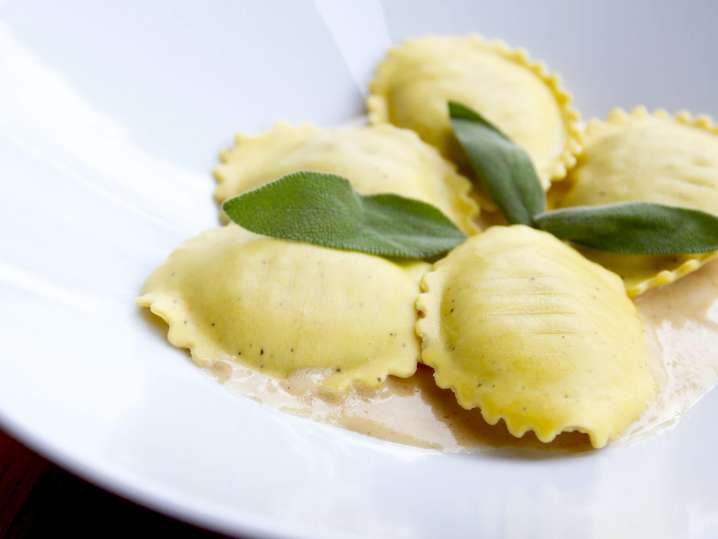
[634, 228]
[323, 209]
[503, 168]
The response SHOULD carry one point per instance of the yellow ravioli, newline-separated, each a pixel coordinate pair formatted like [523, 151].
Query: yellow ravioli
[416, 80]
[518, 324]
[282, 306]
[374, 159]
[648, 157]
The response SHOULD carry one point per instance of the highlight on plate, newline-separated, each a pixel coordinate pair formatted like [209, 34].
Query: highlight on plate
[355, 282]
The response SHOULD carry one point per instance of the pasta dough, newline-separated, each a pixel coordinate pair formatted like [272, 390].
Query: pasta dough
[651, 158]
[375, 160]
[520, 325]
[417, 79]
[281, 307]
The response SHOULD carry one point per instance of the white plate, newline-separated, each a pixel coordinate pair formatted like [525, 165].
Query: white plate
[111, 114]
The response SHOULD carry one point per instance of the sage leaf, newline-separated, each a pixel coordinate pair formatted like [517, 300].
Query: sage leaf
[634, 228]
[503, 168]
[323, 209]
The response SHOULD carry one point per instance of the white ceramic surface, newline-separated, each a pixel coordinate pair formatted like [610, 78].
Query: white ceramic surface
[111, 114]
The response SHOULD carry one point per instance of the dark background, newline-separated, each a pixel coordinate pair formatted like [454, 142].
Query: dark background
[39, 499]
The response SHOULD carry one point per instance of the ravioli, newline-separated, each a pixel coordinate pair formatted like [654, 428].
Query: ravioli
[649, 157]
[523, 327]
[416, 80]
[282, 306]
[374, 159]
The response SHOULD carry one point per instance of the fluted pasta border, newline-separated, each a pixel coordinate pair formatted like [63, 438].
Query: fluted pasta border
[378, 107]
